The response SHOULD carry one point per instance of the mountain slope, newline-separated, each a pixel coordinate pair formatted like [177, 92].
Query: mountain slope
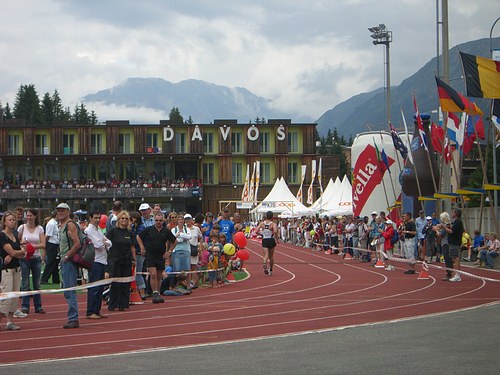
[201, 100]
[367, 111]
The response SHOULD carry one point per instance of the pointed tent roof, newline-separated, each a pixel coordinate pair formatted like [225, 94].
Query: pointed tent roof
[329, 192]
[280, 200]
[342, 202]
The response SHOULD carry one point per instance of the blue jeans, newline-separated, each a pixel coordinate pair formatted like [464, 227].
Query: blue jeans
[94, 295]
[33, 267]
[139, 279]
[69, 273]
[181, 260]
[487, 256]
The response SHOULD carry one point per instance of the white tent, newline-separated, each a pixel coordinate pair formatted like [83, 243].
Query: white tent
[341, 203]
[280, 200]
[329, 192]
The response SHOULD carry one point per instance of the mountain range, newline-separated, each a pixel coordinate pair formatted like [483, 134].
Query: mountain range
[204, 101]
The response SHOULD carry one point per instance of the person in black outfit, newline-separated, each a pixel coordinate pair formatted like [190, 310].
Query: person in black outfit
[153, 242]
[120, 258]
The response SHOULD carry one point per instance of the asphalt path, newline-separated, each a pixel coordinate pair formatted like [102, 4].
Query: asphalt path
[460, 342]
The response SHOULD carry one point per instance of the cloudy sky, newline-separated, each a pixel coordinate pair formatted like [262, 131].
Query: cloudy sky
[305, 55]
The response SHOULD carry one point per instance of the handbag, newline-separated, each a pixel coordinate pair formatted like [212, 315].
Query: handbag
[194, 250]
[85, 255]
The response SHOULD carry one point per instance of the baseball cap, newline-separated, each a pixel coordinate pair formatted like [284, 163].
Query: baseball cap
[374, 213]
[388, 221]
[144, 206]
[188, 216]
[428, 218]
[63, 206]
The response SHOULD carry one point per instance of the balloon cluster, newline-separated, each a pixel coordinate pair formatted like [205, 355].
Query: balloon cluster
[241, 241]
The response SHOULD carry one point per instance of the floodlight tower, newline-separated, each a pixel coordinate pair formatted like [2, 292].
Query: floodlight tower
[381, 35]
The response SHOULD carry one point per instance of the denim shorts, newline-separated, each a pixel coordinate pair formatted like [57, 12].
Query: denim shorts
[181, 260]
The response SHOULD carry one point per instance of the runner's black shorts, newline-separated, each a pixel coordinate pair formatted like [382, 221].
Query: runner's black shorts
[268, 243]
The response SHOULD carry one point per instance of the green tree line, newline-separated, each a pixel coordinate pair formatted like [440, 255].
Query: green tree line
[48, 111]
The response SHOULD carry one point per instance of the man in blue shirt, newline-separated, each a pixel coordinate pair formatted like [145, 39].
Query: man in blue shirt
[226, 226]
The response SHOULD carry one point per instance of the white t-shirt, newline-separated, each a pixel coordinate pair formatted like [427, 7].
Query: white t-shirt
[31, 237]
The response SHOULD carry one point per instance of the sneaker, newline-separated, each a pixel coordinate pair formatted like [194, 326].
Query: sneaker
[466, 259]
[455, 278]
[40, 311]
[270, 272]
[93, 316]
[20, 314]
[266, 271]
[71, 324]
[12, 327]
[157, 298]
[390, 268]
[409, 272]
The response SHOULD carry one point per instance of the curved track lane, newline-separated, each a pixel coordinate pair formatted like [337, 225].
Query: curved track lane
[308, 291]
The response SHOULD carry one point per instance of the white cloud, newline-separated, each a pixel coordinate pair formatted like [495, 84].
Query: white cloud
[306, 55]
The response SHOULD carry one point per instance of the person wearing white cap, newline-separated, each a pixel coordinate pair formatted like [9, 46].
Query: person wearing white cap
[147, 218]
[69, 243]
[388, 235]
[430, 240]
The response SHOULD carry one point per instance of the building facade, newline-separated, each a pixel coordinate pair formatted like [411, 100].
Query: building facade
[186, 167]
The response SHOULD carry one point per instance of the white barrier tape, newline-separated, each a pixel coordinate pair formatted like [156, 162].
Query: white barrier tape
[408, 261]
[9, 295]
[182, 272]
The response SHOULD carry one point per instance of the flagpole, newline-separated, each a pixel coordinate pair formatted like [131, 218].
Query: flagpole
[485, 180]
[381, 173]
[388, 169]
[411, 159]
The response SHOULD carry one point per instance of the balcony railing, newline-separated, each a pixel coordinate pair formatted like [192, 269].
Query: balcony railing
[96, 193]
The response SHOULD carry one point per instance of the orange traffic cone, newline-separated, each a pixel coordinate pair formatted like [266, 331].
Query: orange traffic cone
[347, 256]
[135, 297]
[379, 264]
[424, 274]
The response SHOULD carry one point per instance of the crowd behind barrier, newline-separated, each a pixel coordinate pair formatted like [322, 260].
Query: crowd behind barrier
[215, 249]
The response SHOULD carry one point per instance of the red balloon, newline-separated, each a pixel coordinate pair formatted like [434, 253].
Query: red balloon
[243, 254]
[102, 221]
[240, 239]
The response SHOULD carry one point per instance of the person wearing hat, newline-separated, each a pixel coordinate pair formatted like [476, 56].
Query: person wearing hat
[69, 243]
[147, 218]
[388, 234]
[194, 242]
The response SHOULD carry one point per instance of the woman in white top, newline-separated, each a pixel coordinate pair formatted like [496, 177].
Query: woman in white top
[269, 231]
[33, 235]
[181, 255]
[194, 242]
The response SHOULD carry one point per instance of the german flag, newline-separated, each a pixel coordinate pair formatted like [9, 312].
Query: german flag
[452, 101]
[482, 76]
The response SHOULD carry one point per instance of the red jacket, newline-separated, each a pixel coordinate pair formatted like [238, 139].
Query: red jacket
[388, 234]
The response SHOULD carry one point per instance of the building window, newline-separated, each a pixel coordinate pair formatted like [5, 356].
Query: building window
[208, 143]
[152, 143]
[293, 173]
[208, 173]
[236, 143]
[124, 143]
[237, 173]
[264, 140]
[41, 146]
[293, 142]
[180, 143]
[96, 144]
[265, 173]
[13, 144]
[68, 144]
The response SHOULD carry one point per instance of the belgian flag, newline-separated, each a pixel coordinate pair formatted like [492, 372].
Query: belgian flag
[452, 101]
[482, 76]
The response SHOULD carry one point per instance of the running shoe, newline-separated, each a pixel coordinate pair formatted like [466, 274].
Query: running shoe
[270, 272]
[266, 271]
[455, 278]
[12, 327]
[20, 314]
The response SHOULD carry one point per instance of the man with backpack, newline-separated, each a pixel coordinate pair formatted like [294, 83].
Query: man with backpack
[69, 243]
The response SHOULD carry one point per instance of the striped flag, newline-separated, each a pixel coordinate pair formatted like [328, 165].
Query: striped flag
[482, 76]
[420, 126]
[310, 198]
[245, 192]
[302, 178]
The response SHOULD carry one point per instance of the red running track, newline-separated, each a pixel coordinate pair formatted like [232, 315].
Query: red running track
[308, 291]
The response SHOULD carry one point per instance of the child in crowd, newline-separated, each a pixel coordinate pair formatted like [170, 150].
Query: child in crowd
[204, 254]
[215, 249]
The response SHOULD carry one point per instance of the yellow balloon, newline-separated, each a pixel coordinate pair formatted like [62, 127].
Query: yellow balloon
[229, 249]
